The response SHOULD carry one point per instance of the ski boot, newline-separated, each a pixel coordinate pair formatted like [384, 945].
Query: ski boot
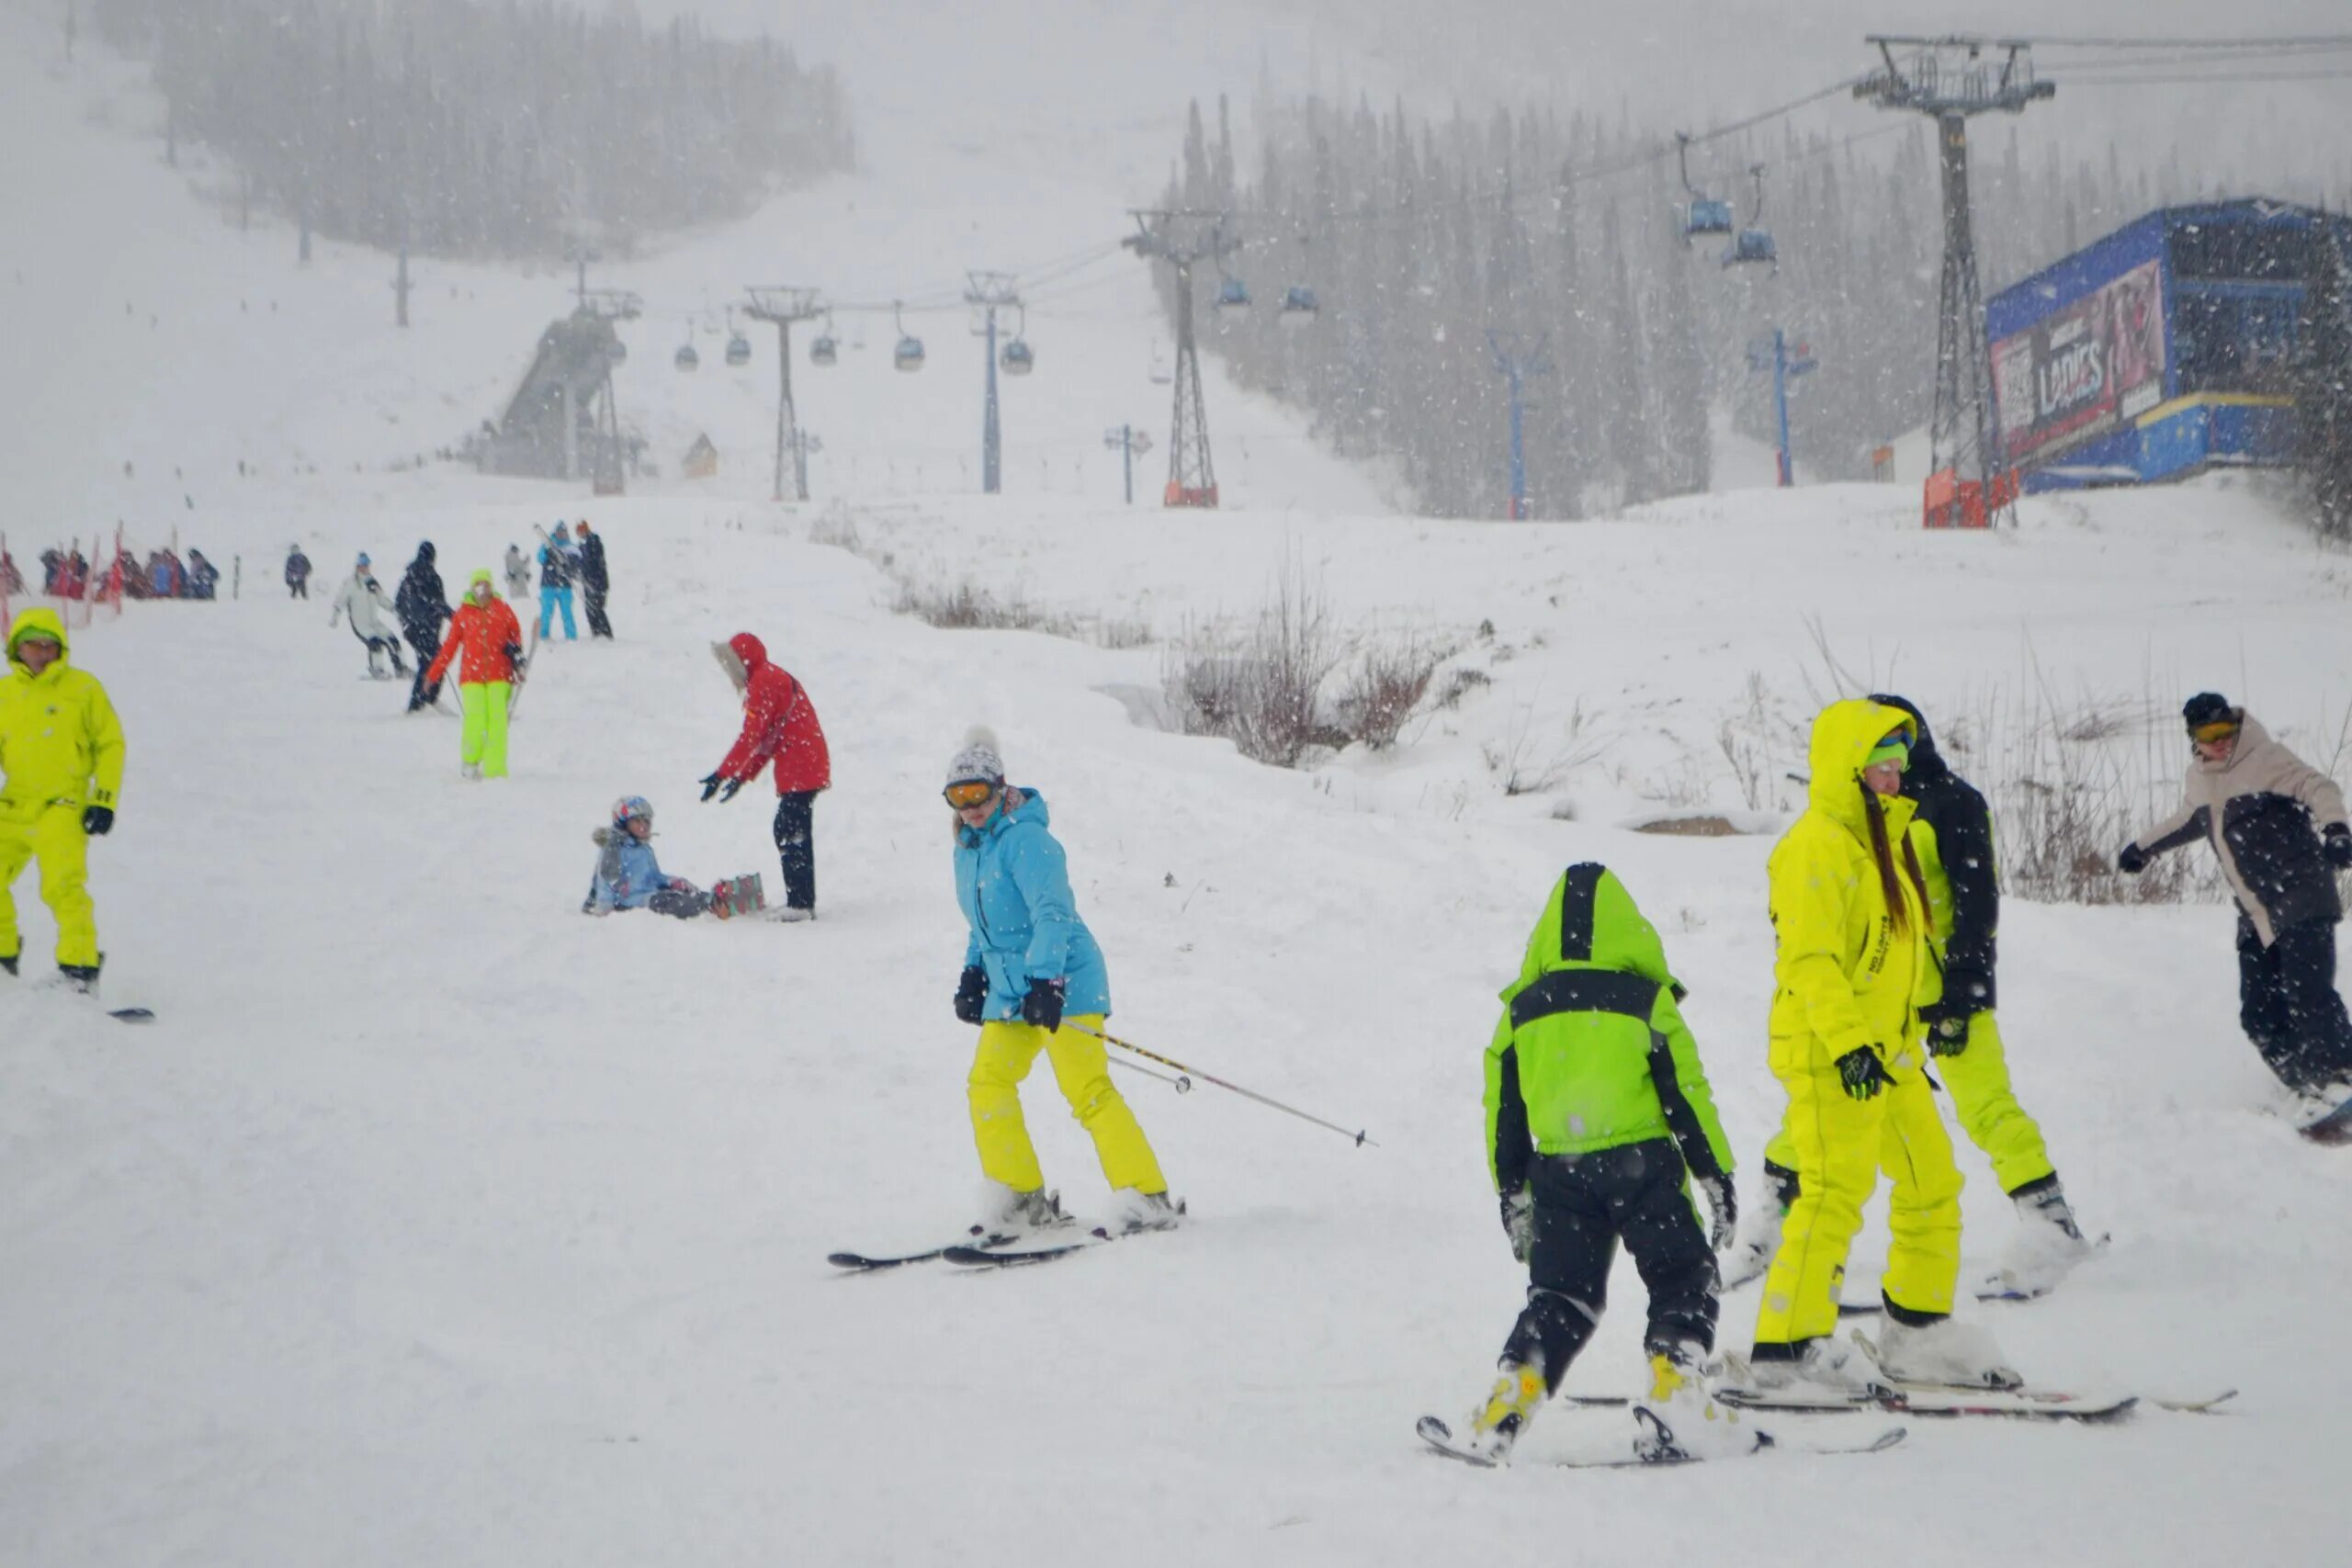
[1681, 1420]
[1750, 1252]
[1496, 1424]
[1924, 1347]
[2046, 1247]
[9, 963]
[1804, 1370]
[81, 978]
[1019, 1214]
[1133, 1213]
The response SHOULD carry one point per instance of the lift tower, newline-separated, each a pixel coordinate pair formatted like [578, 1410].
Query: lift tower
[1951, 80]
[784, 307]
[989, 292]
[1181, 238]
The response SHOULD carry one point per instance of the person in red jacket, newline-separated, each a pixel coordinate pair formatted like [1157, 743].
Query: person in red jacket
[486, 632]
[779, 723]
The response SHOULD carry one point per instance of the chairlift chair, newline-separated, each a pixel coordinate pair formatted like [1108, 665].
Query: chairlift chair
[1703, 214]
[1753, 244]
[1232, 298]
[1299, 306]
[823, 350]
[686, 358]
[908, 356]
[1016, 359]
[739, 349]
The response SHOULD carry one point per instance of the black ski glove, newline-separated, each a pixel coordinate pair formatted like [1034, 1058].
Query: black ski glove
[1043, 1005]
[727, 791]
[971, 993]
[710, 786]
[98, 820]
[2131, 860]
[2336, 845]
[1723, 1209]
[1519, 1221]
[1862, 1072]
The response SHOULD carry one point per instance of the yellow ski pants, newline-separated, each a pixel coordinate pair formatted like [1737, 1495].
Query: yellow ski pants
[1978, 1081]
[1007, 1050]
[1840, 1145]
[52, 835]
[484, 740]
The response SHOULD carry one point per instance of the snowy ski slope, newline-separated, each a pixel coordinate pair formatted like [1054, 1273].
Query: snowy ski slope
[434, 1224]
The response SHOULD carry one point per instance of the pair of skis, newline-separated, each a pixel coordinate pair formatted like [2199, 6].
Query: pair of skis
[979, 1252]
[1659, 1450]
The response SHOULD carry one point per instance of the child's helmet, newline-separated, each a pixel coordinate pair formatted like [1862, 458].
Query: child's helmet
[630, 805]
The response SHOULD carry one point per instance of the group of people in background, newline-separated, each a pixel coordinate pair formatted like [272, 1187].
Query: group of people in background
[66, 574]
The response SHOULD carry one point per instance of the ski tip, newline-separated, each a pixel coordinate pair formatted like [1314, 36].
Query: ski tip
[131, 1015]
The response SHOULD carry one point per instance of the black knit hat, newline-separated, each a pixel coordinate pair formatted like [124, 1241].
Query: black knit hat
[2206, 707]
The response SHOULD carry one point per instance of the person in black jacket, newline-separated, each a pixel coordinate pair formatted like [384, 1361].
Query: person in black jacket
[594, 583]
[297, 573]
[1952, 831]
[422, 607]
[2277, 827]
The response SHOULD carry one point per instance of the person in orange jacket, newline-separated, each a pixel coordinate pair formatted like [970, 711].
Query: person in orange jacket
[485, 630]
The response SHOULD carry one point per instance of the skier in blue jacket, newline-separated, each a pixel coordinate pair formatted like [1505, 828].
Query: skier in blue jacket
[628, 875]
[1034, 980]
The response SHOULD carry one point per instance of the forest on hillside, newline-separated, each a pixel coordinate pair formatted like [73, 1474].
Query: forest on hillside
[481, 128]
[1420, 238]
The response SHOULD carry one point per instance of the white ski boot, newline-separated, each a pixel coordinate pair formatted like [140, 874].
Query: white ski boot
[1495, 1426]
[1826, 1370]
[1750, 1252]
[1947, 1351]
[2046, 1247]
[1681, 1420]
[1133, 1213]
[1016, 1214]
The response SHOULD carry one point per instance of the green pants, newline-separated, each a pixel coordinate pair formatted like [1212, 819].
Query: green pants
[52, 836]
[1978, 1080]
[484, 740]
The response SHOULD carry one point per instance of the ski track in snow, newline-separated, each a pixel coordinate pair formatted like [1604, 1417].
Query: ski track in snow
[436, 1224]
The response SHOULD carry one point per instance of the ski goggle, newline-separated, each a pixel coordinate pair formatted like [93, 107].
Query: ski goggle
[2220, 729]
[971, 793]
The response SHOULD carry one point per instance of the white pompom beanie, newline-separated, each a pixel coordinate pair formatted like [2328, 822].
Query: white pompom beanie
[979, 761]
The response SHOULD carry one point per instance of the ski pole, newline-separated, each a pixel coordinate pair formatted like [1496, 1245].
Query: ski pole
[1182, 1085]
[1360, 1137]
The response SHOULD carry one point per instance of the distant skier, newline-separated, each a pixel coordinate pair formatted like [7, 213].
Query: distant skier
[421, 608]
[203, 577]
[593, 582]
[630, 876]
[779, 723]
[519, 573]
[1952, 833]
[2277, 827]
[297, 573]
[61, 770]
[1599, 1122]
[360, 599]
[555, 569]
[1034, 980]
[485, 631]
[12, 581]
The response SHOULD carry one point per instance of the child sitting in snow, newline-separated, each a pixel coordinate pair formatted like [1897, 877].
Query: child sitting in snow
[629, 877]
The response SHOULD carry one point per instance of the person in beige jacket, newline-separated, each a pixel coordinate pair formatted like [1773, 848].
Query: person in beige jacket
[2278, 827]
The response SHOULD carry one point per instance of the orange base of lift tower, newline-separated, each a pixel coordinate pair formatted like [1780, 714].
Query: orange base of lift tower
[1954, 503]
[1178, 495]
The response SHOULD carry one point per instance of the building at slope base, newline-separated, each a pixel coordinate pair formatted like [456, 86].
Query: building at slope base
[2161, 350]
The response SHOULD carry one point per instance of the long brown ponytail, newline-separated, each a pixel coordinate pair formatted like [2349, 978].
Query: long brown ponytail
[1898, 911]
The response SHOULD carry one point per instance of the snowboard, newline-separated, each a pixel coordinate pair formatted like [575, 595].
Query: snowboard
[2333, 1130]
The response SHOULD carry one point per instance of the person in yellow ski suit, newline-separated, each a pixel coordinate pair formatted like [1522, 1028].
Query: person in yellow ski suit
[61, 767]
[1851, 964]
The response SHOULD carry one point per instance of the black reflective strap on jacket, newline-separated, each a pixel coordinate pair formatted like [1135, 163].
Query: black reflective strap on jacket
[1576, 893]
[1681, 1120]
[1513, 1147]
[1585, 990]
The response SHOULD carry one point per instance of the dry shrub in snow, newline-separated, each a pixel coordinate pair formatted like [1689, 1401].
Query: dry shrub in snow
[1387, 684]
[1258, 688]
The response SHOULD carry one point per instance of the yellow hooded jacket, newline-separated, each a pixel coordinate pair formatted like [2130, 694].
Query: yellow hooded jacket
[61, 743]
[1846, 977]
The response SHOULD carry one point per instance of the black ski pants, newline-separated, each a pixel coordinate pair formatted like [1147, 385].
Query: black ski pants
[1584, 1205]
[598, 625]
[426, 641]
[2289, 1006]
[795, 846]
[683, 904]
